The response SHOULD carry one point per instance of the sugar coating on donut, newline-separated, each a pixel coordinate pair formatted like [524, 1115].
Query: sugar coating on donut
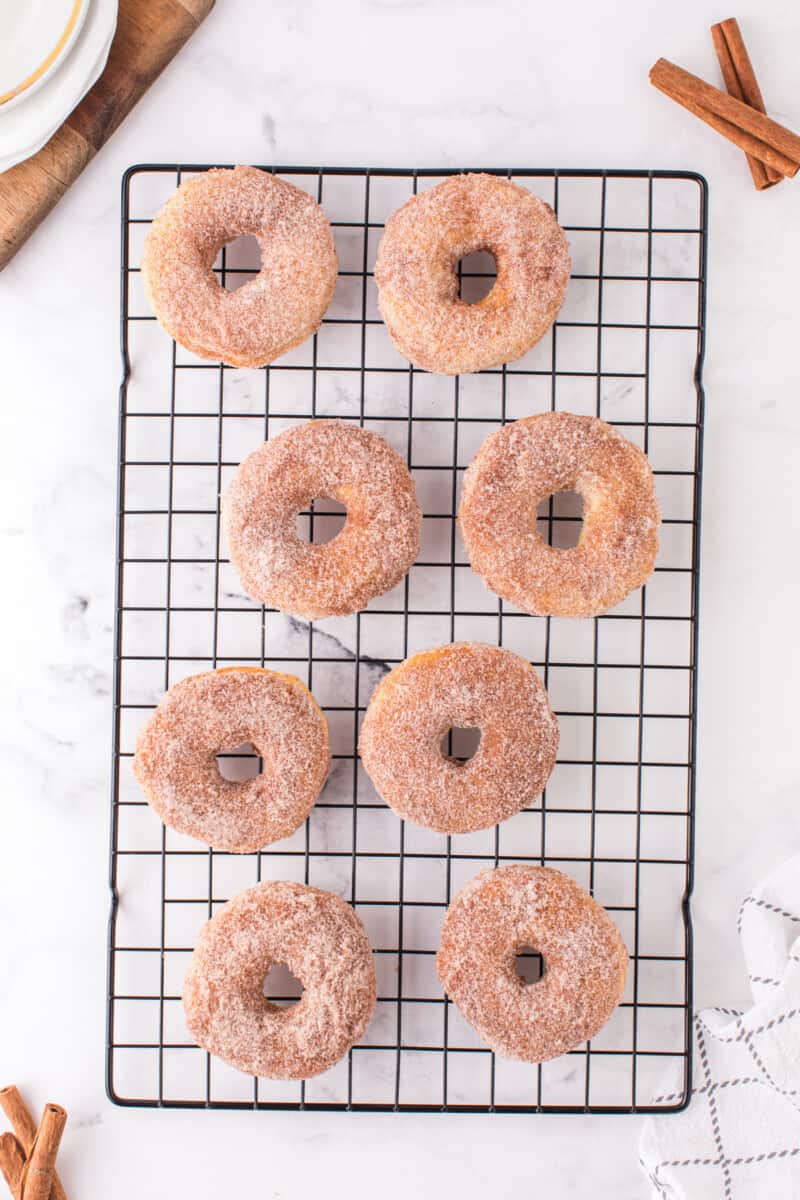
[370, 554]
[320, 939]
[529, 460]
[463, 685]
[417, 281]
[268, 315]
[585, 961]
[215, 712]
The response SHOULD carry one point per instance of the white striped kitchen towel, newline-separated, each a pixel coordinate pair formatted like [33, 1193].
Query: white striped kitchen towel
[739, 1139]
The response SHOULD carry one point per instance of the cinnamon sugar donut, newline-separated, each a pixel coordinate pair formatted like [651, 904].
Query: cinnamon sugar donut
[266, 316]
[418, 286]
[205, 715]
[585, 961]
[522, 464]
[322, 942]
[373, 551]
[465, 685]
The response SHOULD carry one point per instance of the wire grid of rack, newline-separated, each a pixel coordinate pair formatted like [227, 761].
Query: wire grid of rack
[618, 811]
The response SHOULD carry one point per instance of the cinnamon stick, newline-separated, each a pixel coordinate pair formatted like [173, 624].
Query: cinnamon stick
[750, 130]
[740, 81]
[17, 1112]
[24, 1127]
[40, 1169]
[744, 141]
[12, 1164]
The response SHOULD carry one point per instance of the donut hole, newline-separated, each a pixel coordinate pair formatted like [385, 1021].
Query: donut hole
[281, 987]
[239, 764]
[240, 263]
[529, 965]
[321, 521]
[460, 743]
[477, 275]
[559, 519]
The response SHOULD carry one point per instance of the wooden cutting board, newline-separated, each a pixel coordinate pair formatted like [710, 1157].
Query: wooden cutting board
[149, 35]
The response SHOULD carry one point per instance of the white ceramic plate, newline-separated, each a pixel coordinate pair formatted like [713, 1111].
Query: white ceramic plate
[19, 155]
[30, 122]
[37, 37]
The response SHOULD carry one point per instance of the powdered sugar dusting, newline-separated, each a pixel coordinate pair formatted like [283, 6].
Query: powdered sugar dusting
[585, 961]
[466, 684]
[268, 315]
[322, 942]
[373, 551]
[418, 287]
[522, 464]
[208, 714]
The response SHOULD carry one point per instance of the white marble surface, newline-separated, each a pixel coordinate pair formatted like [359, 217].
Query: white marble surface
[407, 83]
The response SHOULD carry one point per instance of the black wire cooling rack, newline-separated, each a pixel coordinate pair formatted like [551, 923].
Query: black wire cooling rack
[618, 811]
